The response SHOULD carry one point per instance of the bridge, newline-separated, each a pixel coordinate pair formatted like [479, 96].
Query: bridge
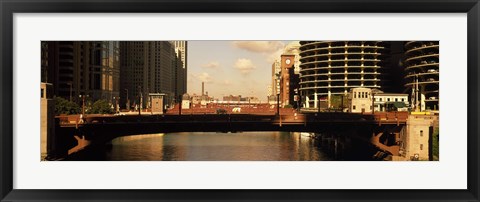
[102, 128]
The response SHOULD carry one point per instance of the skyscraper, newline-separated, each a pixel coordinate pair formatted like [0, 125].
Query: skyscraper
[149, 67]
[181, 48]
[180, 75]
[275, 78]
[81, 68]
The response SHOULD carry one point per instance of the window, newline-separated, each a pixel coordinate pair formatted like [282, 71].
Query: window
[380, 99]
[421, 133]
[421, 146]
[354, 94]
[41, 95]
[403, 99]
[388, 99]
[353, 106]
[396, 99]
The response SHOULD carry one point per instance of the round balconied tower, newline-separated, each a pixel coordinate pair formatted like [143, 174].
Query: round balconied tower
[330, 68]
[422, 74]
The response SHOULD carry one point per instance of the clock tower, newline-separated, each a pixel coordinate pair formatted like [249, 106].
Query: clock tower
[286, 85]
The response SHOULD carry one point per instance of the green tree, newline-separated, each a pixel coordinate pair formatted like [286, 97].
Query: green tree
[336, 101]
[63, 106]
[101, 107]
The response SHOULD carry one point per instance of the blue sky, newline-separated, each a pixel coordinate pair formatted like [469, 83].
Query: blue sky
[232, 67]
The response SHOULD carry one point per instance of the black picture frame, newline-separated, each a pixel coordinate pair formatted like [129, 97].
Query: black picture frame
[10, 7]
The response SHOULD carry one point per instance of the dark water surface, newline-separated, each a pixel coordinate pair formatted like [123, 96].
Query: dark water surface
[208, 146]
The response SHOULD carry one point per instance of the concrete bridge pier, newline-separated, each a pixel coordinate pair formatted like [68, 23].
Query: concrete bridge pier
[61, 141]
[387, 140]
[82, 143]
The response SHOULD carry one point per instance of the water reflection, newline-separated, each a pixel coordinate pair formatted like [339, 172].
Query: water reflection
[207, 146]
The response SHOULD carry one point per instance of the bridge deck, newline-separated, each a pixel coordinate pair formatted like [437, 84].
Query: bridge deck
[288, 119]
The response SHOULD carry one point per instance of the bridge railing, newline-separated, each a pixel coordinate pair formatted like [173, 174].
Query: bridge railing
[379, 117]
[391, 116]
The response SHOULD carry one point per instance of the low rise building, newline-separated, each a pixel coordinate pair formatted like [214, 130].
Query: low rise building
[186, 101]
[390, 102]
[204, 100]
[157, 105]
[360, 100]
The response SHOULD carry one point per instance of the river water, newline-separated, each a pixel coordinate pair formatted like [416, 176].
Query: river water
[208, 146]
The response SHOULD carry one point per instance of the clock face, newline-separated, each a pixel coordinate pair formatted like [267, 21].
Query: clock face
[287, 61]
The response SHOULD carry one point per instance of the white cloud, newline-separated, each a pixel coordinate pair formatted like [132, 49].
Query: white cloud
[274, 56]
[259, 46]
[203, 77]
[244, 65]
[212, 65]
[226, 82]
[271, 50]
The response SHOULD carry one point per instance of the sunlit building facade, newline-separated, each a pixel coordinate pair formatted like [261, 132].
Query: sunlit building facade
[275, 78]
[422, 74]
[332, 68]
[150, 67]
[181, 49]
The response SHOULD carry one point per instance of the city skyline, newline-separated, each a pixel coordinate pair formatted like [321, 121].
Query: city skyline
[233, 67]
[97, 91]
[240, 68]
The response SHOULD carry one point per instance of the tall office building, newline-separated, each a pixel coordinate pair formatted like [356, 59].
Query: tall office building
[181, 47]
[180, 76]
[81, 68]
[149, 67]
[422, 79]
[275, 78]
[104, 72]
[331, 68]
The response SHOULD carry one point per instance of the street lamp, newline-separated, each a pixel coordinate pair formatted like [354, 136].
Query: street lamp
[374, 92]
[278, 103]
[278, 93]
[139, 100]
[373, 102]
[180, 104]
[128, 101]
[297, 98]
[83, 103]
[115, 99]
[148, 98]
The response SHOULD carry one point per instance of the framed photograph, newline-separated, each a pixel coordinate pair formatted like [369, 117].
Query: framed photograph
[239, 101]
